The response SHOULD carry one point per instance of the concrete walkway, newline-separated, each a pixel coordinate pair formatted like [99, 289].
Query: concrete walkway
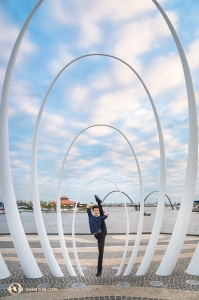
[106, 287]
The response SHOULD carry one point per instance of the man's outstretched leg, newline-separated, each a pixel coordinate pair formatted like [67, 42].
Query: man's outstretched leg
[103, 225]
[100, 241]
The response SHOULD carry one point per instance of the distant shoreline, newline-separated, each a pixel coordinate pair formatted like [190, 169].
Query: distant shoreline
[118, 233]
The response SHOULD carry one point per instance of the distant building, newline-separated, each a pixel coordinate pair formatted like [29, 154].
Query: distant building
[64, 200]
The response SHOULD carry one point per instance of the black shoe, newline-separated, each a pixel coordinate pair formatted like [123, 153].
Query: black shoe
[98, 199]
[98, 273]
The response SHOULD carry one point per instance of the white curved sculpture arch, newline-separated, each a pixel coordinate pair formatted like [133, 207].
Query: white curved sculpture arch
[4, 272]
[193, 267]
[173, 250]
[73, 229]
[160, 209]
[140, 225]
[27, 261]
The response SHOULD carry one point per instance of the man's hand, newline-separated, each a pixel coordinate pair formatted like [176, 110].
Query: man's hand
[106, 213]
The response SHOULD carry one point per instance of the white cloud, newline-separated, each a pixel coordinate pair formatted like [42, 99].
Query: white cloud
[126, 77]
[99, 131]
[138, 37]
[172, 143]
[77, 124]
[115, 9]
[24, 101]
[179, 104]
[114, 106]
[192, 55]
[164, 73]
[102, 82]
[88, 16]
[79, 94]
[91, 33]
[87, 140]
[61, 60]
[54, 125]
[56, 119]
[8, 36]
[19, 166]
[81, 164]
[141, 119]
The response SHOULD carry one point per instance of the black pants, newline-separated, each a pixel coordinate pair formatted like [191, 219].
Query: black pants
[101, 241]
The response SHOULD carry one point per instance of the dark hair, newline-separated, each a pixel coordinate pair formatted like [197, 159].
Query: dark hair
[95, 206]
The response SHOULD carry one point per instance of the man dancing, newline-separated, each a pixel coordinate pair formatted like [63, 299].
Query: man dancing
[98, 228]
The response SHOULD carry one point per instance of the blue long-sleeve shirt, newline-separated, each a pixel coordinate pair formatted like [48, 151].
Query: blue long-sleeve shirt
[95, 222]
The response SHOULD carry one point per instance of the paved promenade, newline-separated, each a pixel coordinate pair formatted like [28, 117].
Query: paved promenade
[108, 286]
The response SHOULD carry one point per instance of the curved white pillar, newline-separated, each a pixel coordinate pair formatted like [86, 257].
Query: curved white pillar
[73, 237]
[173, 250]
[27, 261]
[140, 223]
[160, 208]
[73, 229]
[4, 272]
[49, 255]
[59, 221]
[193, 267]
[61, 236]
[139, 230]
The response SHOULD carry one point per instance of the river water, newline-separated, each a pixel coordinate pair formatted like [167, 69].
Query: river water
[116, 222]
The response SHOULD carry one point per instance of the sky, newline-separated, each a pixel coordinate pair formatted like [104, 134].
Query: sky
[99, 90]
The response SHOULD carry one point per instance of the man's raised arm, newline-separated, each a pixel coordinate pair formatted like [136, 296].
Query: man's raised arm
[106, 213]
[90, 205]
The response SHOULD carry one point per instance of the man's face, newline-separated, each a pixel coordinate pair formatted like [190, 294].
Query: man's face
[96, 212]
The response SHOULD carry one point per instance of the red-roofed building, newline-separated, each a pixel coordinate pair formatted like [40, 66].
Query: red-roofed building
[64, 200]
